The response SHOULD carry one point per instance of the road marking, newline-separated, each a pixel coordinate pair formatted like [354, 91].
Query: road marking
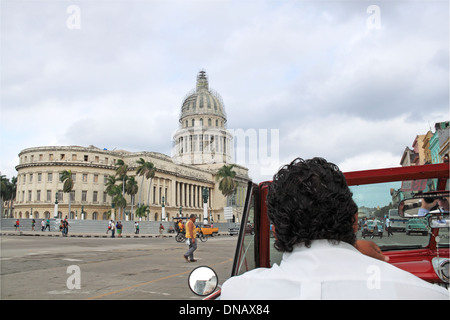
[72, 260]
[148, 282]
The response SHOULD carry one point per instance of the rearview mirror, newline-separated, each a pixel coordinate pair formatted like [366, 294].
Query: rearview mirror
[424, 204]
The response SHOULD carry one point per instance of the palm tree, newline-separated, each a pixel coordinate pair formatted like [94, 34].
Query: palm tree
[66, 178]
[142, 211]
[120, 201]
[111, 189]
[12, 188]
[227, 184]
[145, 169]
[131, 188]
[4, 193]
[121, 172]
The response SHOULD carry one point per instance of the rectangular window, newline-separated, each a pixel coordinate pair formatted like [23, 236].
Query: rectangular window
[94, 196]
[50, 177]
[49, 195]
[83, 195]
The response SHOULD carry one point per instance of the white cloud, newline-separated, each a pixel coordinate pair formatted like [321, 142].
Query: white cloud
[310, 69]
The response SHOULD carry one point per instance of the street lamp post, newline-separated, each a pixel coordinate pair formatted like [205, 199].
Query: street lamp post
[55, 212]
[163, 210]
[205, 205]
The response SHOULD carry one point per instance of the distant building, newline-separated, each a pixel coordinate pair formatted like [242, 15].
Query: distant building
[439, 142]
[202, 146]
[428, 148]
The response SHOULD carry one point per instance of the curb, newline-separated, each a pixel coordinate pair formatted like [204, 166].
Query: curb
[87, 235]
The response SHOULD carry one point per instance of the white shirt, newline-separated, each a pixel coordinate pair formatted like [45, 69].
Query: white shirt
[328, 271]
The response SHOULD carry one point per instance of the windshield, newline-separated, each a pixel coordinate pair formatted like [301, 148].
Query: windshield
[377, 205]
[380, 202]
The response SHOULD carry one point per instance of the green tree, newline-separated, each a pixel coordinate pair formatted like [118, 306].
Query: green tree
[12, 189]
[147, 170]
[121, 172]
[142, 211]
[7, 193]
[112, 190]
[67, 180]
[227, 183]
[131, 188]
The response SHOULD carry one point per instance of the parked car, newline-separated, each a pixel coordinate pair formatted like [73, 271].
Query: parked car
[207, 229]
[232, 231]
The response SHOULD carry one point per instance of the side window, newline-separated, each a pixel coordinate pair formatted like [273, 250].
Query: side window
[246, 251]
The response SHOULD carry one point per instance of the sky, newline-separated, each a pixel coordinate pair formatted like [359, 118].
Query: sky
[353, 82]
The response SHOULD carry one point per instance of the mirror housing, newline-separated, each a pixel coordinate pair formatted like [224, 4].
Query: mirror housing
[203, 281]
[439, 220]
[422, 205]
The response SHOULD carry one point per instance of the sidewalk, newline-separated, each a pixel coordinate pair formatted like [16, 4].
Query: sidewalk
[89, 235]
[80, 234]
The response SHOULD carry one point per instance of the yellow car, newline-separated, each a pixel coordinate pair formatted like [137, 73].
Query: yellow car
[206, 229]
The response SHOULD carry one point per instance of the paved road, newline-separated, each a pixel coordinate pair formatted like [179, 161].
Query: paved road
[128, 268]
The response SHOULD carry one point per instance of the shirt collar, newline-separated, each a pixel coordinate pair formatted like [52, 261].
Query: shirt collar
[319, 245]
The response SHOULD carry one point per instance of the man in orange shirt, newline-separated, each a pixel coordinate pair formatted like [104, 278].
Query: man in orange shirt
[191, 234]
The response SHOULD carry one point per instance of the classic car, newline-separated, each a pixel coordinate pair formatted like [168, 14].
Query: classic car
[207, 229]
[368, 229]
[416, 226]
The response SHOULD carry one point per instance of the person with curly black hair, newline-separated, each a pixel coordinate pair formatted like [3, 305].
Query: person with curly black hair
[315, 221]
[310, 200]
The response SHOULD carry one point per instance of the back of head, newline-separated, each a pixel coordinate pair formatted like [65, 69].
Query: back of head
[310, 200]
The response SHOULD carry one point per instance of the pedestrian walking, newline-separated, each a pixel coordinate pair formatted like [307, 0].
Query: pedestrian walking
[17, 225]
[136, 227]
[113, 229]
[109, 225]
[388, 227]
[65, 230]
[33, 223]
[42, 225]
[47, 224]
[161, 229]
[191, 235]
[119, 227]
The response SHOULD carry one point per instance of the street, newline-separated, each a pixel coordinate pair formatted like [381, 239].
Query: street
[105, 268]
